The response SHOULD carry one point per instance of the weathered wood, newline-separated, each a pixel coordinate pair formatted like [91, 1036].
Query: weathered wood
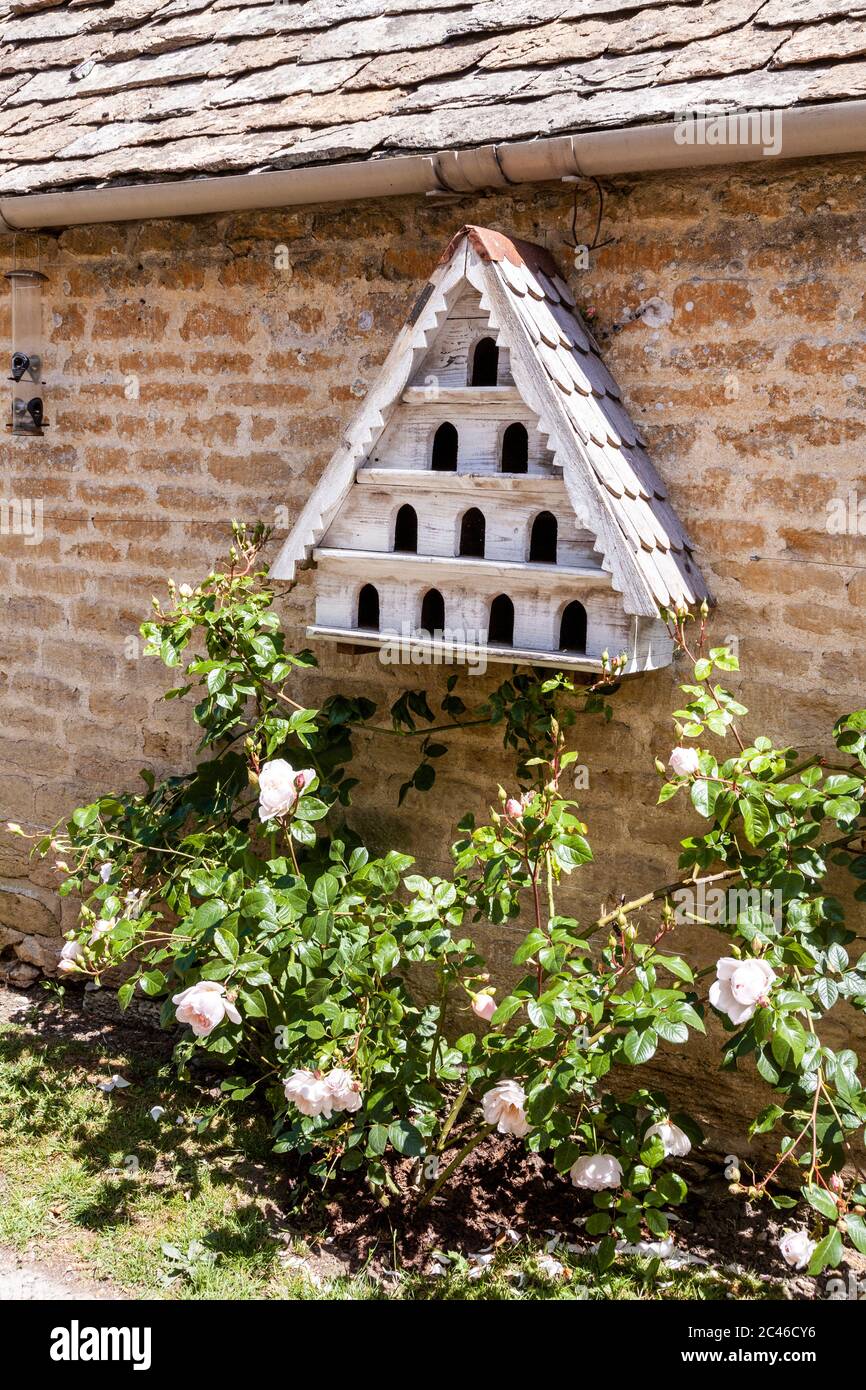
[607, 540]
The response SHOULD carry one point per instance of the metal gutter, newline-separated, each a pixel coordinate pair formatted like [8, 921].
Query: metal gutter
[803, 132]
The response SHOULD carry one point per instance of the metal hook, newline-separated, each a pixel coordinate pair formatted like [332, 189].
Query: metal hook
[595, 245]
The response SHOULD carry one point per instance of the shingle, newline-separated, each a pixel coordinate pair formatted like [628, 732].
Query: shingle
[528, 68]
[609, 441]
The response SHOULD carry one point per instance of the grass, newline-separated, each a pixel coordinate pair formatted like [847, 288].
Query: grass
[91, 1180]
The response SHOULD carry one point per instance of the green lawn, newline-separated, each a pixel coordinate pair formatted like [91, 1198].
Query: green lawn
[92, 1180]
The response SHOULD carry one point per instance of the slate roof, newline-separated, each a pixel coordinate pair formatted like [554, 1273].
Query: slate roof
[137, 90]
[607, 472]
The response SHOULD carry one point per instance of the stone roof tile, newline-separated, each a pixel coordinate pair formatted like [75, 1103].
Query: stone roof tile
[527, 68]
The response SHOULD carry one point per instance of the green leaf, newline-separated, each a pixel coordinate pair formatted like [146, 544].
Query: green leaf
[506, 1010]
[377, 1139]
[788, 1042]
[767, 1119]
[677, 966]
[598, 1224]
[407, 1140]
[227, 945]
[855, 1228]
[821, 1201]
[828, 1252]
[673, 1188]
[704, 795]
[326, 890]
[211, 912]
[386, 953]
[153, 983]
[125, 993]
[756, 819]
[640, 1046]
[606, 1253]
[670, 1030]
[657, 1221]
[668, 790]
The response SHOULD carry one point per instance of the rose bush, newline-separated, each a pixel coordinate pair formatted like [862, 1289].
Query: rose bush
[778, 820]
[242, 895]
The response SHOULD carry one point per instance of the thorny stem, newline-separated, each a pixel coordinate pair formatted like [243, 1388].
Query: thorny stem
[452, 1115]
[455, 1163]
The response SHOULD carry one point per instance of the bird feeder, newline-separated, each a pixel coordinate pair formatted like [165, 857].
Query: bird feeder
[26, 362]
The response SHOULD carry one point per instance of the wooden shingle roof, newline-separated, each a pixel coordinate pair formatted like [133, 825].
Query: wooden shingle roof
[559, 372]
[139, 90]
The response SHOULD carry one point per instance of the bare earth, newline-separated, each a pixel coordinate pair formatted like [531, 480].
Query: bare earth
[21, 1278]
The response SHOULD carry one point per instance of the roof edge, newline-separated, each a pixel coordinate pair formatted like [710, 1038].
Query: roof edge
[806, 132]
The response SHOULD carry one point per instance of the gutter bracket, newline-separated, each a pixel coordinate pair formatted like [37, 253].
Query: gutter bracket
[470, 171]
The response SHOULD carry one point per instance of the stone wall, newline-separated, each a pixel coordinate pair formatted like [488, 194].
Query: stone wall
[201, 370]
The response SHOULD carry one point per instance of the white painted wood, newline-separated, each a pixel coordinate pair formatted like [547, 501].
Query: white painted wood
[518, 574]
[546, 401]
[431, 307]
[469, 396]
[413, 651]
[447, 361]
[408, 440]
[575, 471]
[367, 520]
[547, 490]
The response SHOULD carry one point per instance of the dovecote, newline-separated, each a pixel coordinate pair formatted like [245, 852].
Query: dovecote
[492, 492]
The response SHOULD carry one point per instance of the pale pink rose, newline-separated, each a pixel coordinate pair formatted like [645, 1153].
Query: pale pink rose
[309, 1092]
[797, 1249]
[503, 1107]
[344, 1089]
[70, 955]
[100, 928]
[204, 1006]
[483, 1006]
[514, 808]
[280, 786]
[683, 762]
[596, 1171]
[676, 1143]
[740, 986]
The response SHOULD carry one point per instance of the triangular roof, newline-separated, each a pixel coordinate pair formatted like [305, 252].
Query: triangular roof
[557, 368]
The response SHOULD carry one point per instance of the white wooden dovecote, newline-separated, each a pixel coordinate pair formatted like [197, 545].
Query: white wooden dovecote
[492, 490]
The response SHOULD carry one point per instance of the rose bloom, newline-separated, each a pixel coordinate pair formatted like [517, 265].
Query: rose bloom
[516, 809]
[684, 762]
[204, 1006]
[309, 1091]
[676, 1143]
[739, 987]
[596, 1171]
[280, 786]
[796, 1248]
[70, 955]
[345, 1091]
[503, 1107]
[483, 1005]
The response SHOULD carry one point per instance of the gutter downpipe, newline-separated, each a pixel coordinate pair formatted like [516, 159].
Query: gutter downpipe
[806, 132]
